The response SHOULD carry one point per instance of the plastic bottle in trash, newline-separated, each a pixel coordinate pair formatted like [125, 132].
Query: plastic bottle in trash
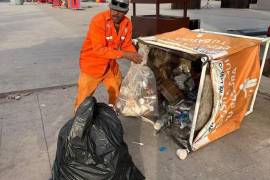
[183, 119]
[158, 124]
[184, 116]
[161, 122]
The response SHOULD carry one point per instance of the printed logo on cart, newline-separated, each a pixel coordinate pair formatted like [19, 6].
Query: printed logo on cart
[220, 77]
[249, 83]
[213, 53]
[211, 47]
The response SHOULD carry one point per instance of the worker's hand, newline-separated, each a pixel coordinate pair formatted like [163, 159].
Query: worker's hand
[133, 56]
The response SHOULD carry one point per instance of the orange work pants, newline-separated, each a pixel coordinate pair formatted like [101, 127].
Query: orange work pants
[87, 86]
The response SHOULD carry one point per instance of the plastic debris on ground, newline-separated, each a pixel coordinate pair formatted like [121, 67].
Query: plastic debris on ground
[163, 149]
[139, 143]
[91, 147]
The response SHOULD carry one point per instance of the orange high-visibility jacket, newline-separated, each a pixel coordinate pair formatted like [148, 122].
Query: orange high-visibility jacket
[102, 45]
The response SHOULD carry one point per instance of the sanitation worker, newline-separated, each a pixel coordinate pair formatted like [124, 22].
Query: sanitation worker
[109, 38]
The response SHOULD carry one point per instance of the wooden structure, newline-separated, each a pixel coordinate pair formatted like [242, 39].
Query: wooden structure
[193, 4]
[235, 4]
[148, 25]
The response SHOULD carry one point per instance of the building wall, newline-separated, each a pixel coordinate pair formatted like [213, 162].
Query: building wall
[263, 4]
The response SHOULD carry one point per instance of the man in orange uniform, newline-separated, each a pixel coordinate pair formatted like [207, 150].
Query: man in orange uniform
[109, 38]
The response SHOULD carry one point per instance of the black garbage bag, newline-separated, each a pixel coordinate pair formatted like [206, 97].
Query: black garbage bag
[91, 147]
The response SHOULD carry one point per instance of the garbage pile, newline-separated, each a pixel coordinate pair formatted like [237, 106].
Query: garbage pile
[166, 87]
[91, 147]
[178, 96]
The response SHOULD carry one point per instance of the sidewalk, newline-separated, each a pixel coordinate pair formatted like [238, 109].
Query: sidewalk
[39, 49]
[29, 129]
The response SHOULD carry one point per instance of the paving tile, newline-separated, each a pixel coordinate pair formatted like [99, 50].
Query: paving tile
[57, 109]
[250, 172]
[23, 149]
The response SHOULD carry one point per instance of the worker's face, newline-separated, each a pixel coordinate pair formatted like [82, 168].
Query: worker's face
[117, 16]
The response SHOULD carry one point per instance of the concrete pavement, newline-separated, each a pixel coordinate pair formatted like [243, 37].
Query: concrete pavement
[36, 51]
[39, 49]
[40, 45]
[29, 129]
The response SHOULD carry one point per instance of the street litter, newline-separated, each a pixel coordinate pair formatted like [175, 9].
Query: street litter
[14, 96]
[141, 144]
[18, 97]
[163, 149]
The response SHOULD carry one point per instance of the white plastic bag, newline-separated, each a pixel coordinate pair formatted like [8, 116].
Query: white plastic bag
[138, 94]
